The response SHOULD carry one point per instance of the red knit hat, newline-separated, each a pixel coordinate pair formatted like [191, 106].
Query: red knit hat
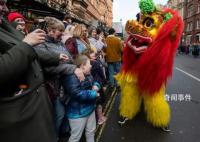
[13, 15]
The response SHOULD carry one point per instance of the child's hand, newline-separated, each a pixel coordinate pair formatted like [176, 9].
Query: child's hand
[63, 57]
[79, 73]
[104, 89]
[95, 88]
[98, 95]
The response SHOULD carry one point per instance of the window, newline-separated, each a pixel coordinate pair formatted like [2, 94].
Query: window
[189, 26]
[190, 10]
[197, 37]
[198, 9]
[187, 29]
[188, 39]
[182, 11]
[198, 24]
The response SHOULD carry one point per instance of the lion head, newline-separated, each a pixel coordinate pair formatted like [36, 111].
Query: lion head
[143, 31]
[151, 45]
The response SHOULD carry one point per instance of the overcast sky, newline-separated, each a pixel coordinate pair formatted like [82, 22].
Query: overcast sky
[127, 9]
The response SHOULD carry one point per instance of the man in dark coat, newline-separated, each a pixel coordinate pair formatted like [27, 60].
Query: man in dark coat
[25, 112]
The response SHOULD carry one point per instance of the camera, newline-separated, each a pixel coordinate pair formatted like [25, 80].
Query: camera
[42, 25]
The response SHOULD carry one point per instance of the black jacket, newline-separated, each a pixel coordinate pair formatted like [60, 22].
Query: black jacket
[53, 47]
[27, 117]
[97, 72]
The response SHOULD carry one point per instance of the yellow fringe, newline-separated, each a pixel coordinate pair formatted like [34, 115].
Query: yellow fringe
[130, 98]
[157, 109]
[123, 78]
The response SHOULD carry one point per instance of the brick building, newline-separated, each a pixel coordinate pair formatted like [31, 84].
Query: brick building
[90, 12]
[177, 5]
[190, 11]
[87, 11]
[192, 21]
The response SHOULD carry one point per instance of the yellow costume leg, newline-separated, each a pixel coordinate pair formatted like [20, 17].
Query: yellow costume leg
[157, 109]
[130, 99]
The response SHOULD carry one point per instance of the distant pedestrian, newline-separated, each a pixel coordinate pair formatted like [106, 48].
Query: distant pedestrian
[113, 53]
[195, 50]
[67, 20]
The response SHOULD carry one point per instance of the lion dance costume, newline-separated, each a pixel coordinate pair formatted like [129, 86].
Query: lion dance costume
[143, 76]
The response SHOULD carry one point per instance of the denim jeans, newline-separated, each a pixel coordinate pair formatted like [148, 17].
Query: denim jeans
[113, 69]
[61, 122]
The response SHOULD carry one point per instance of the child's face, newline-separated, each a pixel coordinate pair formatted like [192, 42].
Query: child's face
[93, 56]
[87, 67]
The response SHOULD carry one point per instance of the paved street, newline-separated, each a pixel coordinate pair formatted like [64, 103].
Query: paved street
[185, 122]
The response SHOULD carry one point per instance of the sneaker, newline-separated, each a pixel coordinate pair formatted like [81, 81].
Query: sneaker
[166, 129]
[122, 120]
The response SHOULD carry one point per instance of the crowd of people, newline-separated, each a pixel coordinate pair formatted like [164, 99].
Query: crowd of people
[53, 77]
[190, 49]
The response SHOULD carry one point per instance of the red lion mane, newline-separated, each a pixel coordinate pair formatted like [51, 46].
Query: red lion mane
[154, 67]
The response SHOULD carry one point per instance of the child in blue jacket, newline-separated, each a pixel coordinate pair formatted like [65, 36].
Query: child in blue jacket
[81, 107]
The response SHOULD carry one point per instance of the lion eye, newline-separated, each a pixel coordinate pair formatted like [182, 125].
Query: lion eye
[148, 22]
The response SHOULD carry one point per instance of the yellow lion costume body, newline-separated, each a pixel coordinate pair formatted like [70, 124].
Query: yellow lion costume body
[148, 62]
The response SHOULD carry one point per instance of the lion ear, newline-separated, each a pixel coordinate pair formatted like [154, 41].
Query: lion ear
[173, 33]
[128, 24]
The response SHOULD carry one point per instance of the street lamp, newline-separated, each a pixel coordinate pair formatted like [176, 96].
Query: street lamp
[122, 28]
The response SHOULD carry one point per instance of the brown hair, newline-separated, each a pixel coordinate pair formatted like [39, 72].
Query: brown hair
[67, 17]
[87, 52]
[91, 29]
[81, 60]
[54, 24]
[78, 31]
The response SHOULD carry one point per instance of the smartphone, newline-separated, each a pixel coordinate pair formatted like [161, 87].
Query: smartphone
[43, 25]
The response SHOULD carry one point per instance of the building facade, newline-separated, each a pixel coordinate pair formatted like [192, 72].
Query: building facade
[192, 21]
[87, 11]
[190, 11]
[90, 12]
[177, 5]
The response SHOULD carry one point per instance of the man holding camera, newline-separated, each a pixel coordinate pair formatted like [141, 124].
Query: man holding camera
[25, 108]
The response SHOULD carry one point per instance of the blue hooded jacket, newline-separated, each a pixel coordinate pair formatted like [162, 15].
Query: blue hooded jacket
[82, 97]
